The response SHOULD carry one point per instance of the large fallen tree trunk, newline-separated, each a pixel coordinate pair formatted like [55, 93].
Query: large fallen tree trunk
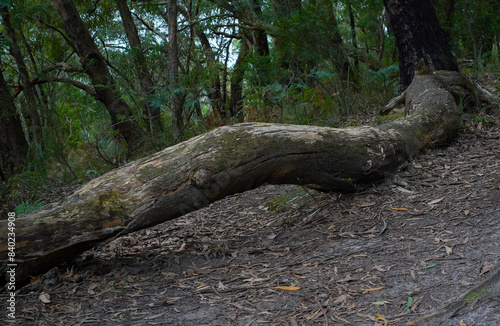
[227, 160]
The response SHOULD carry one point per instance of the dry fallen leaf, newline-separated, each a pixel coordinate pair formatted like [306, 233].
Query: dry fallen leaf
[54, 308]
[288, 288]
[221, 286]
[372, 289]
[347, 278]
[399, 208]
[340, 299]
[486, 268]
[44, 297]
[435, 201]
[448, 250]
[380, 317]
[91, 288]
[380, 268]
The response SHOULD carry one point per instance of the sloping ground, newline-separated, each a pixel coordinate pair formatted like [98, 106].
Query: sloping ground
[426, 241]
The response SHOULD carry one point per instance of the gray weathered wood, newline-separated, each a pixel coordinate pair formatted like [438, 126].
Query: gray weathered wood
[228, 160]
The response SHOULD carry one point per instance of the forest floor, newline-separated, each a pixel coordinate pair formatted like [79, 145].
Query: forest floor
[422, 248]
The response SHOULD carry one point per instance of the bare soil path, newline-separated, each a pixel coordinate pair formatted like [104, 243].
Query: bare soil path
[422, 248]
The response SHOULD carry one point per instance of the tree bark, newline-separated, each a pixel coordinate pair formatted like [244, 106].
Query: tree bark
[228, 160]
[353, 33]
[259, 35]
[235, 104]
[13, 144]
[341, 61]
[418, 36]
[29, 91]
[95, 67]
[152, 114]
[173, 68]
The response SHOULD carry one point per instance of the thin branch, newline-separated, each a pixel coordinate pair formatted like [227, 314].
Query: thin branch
[40, 21]
[151, 29]
[236, 36]
[62, 66]
[89, 89]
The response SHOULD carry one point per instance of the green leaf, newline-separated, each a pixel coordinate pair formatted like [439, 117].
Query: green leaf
[27, 207]
[379, 303]
[408, 304]
[428, 266]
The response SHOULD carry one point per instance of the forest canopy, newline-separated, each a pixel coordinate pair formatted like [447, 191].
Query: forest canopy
[90, 85]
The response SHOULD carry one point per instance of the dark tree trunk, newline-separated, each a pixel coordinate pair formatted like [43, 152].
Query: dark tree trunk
[152, 114]
[173, 69]
[260, 35]
[282, 10]
[235, 104]
[381, 36]
[353, 34]
[29, 91]
[95, 67]
[418, 36]
[13, 144]
[341, 60]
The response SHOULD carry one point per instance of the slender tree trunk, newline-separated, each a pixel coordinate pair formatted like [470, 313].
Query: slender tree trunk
[214, 93]
[418, 36]
[353, 34]
[95, 67]
[260, 35]
[235, 104]
[173, 68]
[215, 87]
[13, 144]
[152, 114]
[469, 20]
[282, 10]
[381, 35]
[29, 91]
[341, 60]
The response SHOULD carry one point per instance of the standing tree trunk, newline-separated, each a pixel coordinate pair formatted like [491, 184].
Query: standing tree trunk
[418, 36]
[29, 91]
[173, 69]
[235, 104]
[260, 35]
[95, 67]
[353, 34]
[341, 61]
[214, 88]
[152, 114]
[13, 144]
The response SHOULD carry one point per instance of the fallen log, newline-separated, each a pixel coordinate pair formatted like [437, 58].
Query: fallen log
[227, 160]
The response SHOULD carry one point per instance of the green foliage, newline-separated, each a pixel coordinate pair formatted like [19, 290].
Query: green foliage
[293, 199]
[27, 207]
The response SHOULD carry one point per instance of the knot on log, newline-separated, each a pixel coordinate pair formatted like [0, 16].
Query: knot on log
[202, 178]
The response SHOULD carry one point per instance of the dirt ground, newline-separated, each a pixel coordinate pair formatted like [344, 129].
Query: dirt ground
[422, 248]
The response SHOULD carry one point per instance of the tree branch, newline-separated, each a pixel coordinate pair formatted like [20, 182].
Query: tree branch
[89, 89]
